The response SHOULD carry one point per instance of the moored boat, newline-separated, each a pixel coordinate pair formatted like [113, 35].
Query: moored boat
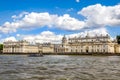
[35, 55]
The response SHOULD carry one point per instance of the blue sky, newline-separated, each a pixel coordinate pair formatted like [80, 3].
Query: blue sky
[45, 20]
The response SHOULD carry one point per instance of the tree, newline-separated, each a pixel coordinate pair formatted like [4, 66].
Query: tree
[118, 39]
[1, 47]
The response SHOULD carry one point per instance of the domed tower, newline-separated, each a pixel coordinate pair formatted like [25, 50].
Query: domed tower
[64, 40]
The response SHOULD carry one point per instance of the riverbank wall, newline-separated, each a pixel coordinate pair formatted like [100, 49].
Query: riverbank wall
[104, 54]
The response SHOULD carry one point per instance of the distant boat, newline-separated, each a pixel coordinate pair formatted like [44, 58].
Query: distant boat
[35, 55]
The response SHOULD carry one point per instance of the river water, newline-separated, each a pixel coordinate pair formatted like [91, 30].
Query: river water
[59, 67]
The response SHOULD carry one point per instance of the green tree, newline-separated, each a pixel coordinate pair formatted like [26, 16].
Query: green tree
[118, 39]
[1, 47]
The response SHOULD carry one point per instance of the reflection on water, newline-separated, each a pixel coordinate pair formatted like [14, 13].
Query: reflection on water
[21, 67]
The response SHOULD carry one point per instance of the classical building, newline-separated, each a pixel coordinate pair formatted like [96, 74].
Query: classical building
[87, 44]
[59, 49]
[46, 48]
[19, 47]
[117, 48]
[26, 47]
[84, 45]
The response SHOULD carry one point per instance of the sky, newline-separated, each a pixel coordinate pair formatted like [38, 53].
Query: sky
[49, 20]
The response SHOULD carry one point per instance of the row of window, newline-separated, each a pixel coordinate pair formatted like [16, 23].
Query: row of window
[88, 50]
[98, 46]
[88, 40]
[12, 50]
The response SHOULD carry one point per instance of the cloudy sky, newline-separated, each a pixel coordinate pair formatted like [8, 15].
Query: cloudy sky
[48, 20]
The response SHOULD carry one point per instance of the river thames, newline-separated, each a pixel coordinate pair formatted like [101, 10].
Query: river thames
[59, 67]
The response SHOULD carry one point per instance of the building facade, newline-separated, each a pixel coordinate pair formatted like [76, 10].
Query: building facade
[84, 45]
[87, 44]
[19, 47]
[46, 48]
[117, 48]
[26, 47]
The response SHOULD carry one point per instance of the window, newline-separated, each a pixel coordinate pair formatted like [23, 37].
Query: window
[67, 49]
[76, 50]
[103, 50]
[92, 50]
[97, 50]
[97, 45]
[81, 50]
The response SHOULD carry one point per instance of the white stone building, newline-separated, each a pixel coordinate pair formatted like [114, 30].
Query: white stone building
[46, 48]
[19, 47]
[87, 44]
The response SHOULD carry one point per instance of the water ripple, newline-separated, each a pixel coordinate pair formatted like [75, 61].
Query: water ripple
[52, 67]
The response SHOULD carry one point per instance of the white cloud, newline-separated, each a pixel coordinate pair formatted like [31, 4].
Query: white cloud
[100, 16]
[68, 23]
[21, 15]
[18, 35]
[78, 1]
[94, 32]
[38, 19]
[45, 36]
[95, 16]
[34, 20]
[48, 36]
[30, 20]
[12, 38]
